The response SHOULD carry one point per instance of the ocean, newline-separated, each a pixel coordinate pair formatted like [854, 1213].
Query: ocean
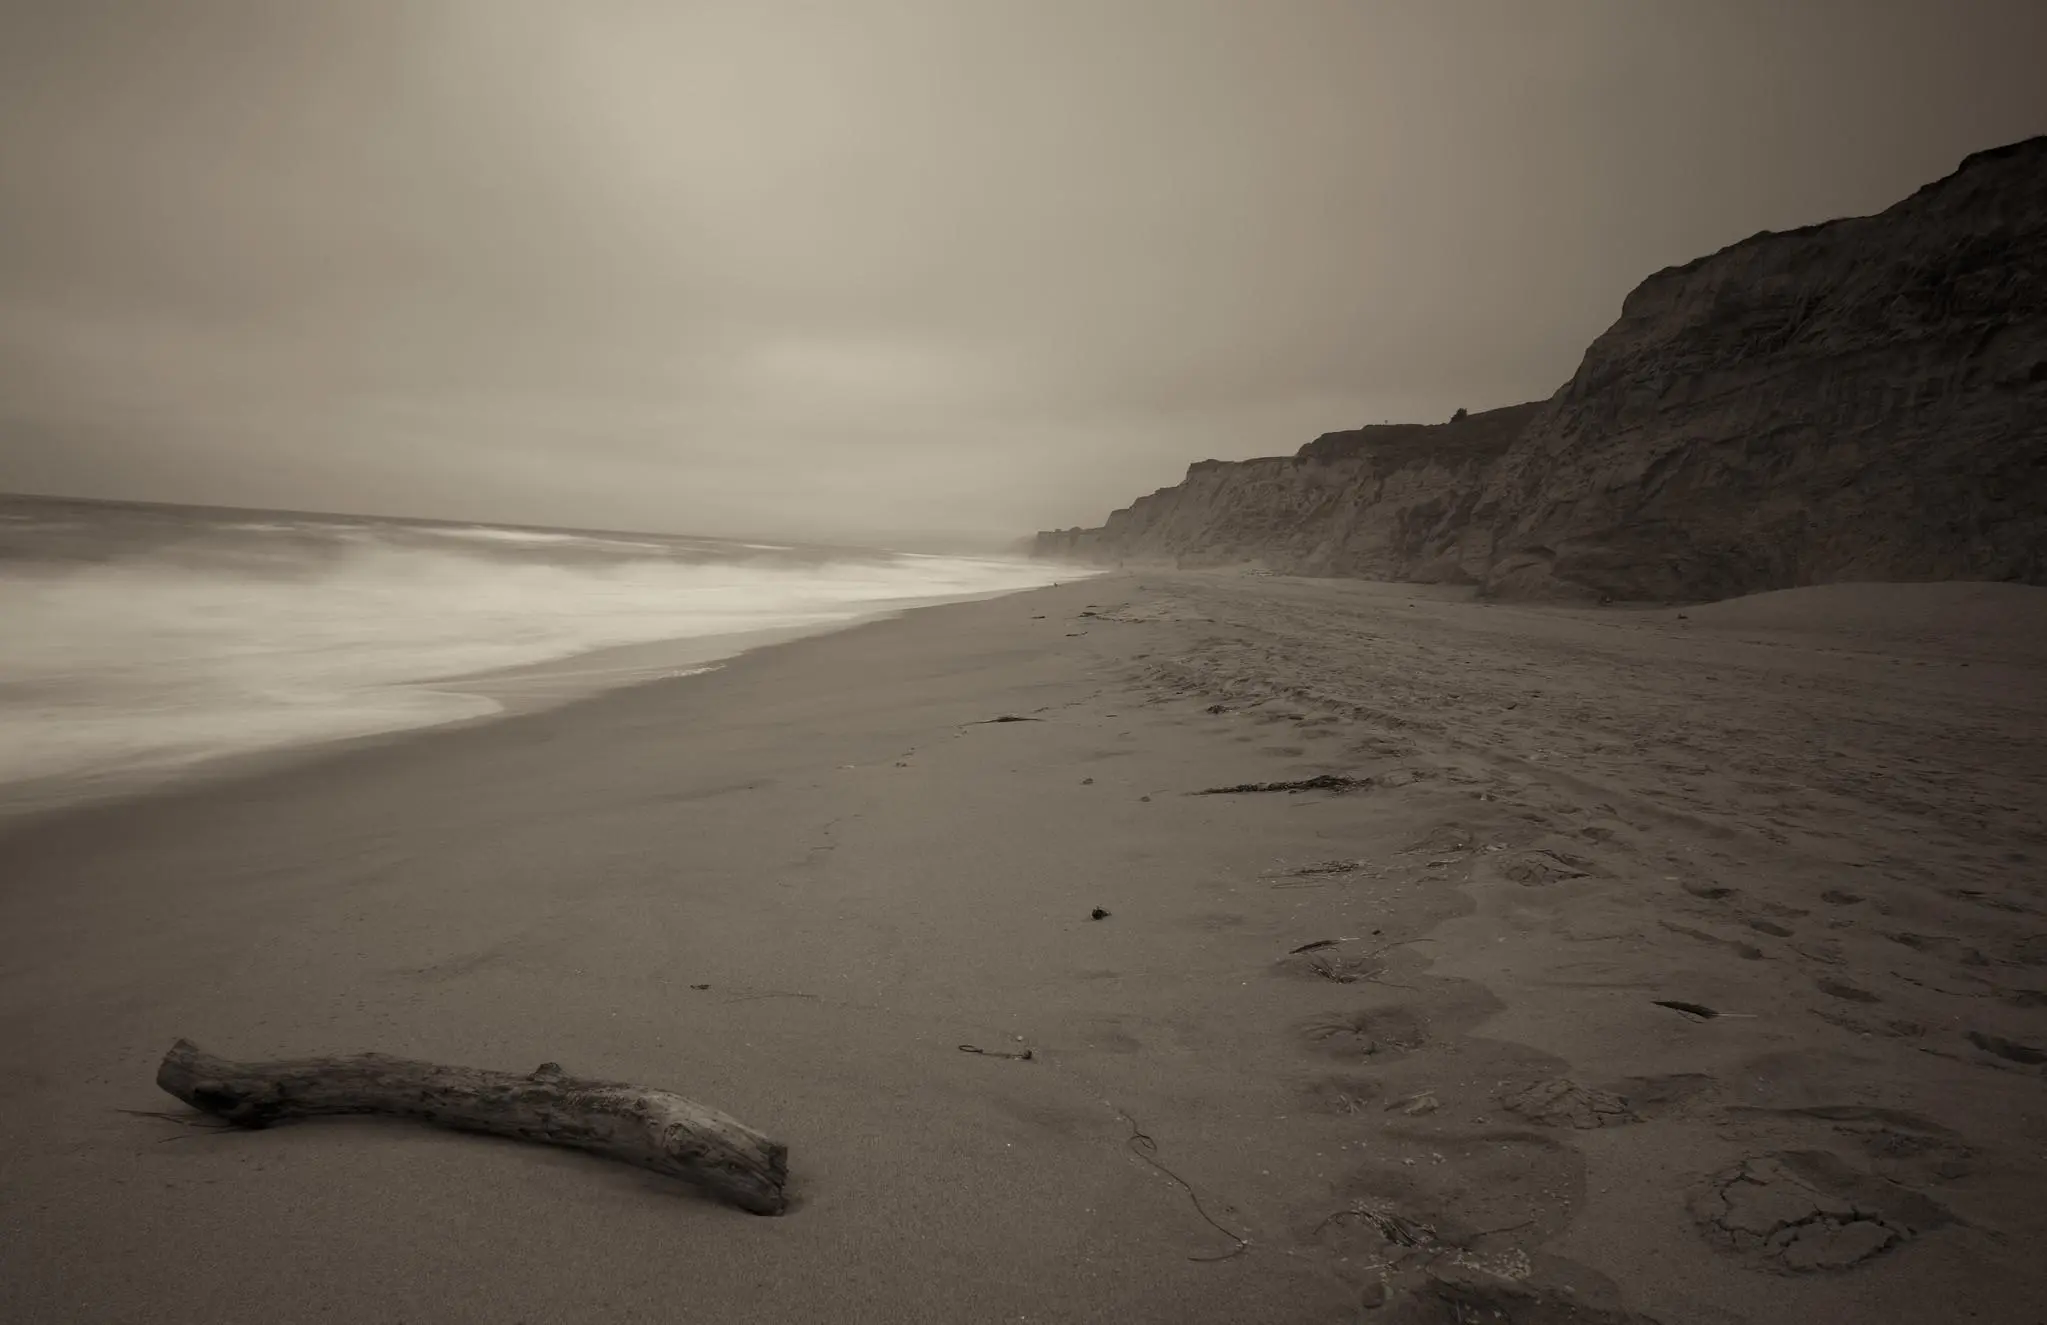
[140, 642]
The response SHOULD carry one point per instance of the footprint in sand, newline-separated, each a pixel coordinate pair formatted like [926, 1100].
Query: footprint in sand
[1746, 951]
[2031, 950]
[1462, 1289]
[1562, 1102]
[1438, 1227]
[1896, 1028]
[1901, 1146]
[1842, 989]
[1803, 1211]
[1653, 1096]
[1335, 967]
[1447, 843]
[1534, 869]
[1825, 951]
[1346, 1095]
[1375, 1034]
[1932, 944]
[2010, 1050]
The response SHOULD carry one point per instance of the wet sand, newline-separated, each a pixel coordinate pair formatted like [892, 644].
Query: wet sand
[1816, 816]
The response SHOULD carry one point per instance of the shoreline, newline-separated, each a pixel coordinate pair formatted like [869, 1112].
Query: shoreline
[515, 690]
[794, 886]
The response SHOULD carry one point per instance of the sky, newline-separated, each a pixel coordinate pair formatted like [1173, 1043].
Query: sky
[888, 271]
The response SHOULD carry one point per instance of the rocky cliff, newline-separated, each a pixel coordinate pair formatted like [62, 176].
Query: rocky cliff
[1385, 502]
[1864, 399]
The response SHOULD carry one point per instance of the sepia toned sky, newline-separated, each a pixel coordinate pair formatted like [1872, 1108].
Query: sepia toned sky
[883, 270]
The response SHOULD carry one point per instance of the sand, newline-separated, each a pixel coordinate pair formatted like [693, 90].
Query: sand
[1816, 814]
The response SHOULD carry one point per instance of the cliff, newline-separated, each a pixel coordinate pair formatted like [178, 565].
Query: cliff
[1864, 399]
[1384, 502]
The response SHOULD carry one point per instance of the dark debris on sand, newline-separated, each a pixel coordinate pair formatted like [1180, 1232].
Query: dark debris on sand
[1320, 782]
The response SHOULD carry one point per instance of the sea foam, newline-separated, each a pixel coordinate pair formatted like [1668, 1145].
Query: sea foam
[142, 640]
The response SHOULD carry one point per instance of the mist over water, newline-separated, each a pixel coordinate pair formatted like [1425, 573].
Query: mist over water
[138, 641]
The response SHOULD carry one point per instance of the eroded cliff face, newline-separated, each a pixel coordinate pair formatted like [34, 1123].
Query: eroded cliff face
[1387, 502]
[1860, 400]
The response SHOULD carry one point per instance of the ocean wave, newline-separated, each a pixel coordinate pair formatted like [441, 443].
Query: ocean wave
[175, 650]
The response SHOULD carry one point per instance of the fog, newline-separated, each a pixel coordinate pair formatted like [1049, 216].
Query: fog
[906, 271]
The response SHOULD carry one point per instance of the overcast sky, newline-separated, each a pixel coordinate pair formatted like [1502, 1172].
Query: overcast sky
[883, 269]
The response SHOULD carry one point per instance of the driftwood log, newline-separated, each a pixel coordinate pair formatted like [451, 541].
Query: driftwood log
[650, 1128]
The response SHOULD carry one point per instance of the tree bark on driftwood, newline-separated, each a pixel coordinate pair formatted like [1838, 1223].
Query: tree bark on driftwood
[650, 1128]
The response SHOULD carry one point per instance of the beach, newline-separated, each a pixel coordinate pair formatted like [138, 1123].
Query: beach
[1626, 964]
